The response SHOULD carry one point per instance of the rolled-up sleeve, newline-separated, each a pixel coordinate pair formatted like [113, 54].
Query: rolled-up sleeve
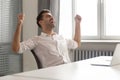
[72, 44]
[27, 45]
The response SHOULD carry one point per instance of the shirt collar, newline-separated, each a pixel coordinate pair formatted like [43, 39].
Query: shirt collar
[44, 34]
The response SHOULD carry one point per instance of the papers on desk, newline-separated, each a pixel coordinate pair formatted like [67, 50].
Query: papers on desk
[102, 61]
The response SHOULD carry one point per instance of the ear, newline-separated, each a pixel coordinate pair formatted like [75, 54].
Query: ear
[40, 22]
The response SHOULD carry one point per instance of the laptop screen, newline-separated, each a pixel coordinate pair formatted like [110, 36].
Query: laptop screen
[116, 56]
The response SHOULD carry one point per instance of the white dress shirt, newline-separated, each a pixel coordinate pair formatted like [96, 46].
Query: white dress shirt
[51, 50]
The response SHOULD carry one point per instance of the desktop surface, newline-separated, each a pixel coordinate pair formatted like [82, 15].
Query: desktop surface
[80, 70]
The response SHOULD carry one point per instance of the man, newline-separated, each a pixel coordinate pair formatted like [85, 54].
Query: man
[51, 48]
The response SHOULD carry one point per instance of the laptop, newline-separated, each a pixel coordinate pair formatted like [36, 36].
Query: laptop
[108, 60]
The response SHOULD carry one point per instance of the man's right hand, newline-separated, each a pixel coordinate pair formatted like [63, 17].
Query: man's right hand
[17, 35]
[20, 18]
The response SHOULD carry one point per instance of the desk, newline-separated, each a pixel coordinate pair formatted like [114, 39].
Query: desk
[81, 70]
[11, 77]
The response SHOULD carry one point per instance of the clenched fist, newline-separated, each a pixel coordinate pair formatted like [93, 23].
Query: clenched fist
[78, 18]
[20, 18]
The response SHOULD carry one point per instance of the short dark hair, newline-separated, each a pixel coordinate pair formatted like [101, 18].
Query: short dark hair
[40, 15]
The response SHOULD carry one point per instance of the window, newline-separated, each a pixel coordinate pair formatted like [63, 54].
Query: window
[100, 18]
[9, 63]
[65, 28]
[8, 18]
[87, 9]
[111, 19]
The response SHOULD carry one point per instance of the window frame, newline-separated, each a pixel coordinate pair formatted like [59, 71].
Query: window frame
[100, 23]
[103, 20]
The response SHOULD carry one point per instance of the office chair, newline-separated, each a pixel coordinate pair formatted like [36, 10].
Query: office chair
[39, 64]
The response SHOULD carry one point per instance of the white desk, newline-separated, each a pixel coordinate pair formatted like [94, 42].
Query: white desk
[81, 70]
[11, 77]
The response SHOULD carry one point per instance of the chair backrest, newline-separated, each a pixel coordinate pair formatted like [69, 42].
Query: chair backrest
[39, 64]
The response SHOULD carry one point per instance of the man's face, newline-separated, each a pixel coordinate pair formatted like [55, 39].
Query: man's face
[48, 20]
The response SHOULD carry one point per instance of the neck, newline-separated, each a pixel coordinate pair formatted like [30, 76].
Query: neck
[48, 30]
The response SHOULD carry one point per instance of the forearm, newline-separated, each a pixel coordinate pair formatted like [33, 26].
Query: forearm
[77, 36]
[16, 38]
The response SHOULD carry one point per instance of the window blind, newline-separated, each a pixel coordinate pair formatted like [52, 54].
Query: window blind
[8, 20]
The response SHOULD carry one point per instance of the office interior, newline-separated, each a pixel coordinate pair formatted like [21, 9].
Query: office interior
[26, 62]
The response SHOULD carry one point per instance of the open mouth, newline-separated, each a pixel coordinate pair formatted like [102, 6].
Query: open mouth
[52, 21]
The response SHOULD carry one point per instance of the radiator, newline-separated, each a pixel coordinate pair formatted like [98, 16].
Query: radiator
[86, 54]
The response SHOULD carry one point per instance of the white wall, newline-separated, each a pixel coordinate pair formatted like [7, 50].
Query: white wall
[29, 30]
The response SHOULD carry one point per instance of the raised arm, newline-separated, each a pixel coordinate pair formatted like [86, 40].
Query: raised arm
[77, 36]
[17, 35]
